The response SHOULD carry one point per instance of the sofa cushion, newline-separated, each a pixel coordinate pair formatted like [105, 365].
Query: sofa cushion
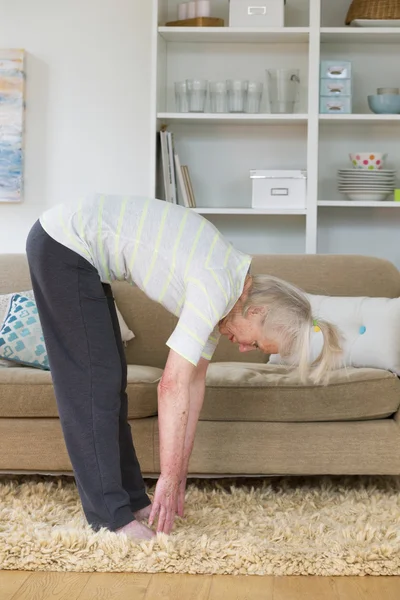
[28, 392]
[256, 392]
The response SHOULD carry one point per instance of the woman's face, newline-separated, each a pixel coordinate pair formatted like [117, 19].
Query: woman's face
[247, 331]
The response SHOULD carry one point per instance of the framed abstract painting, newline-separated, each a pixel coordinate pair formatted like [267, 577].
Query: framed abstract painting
[12, 119]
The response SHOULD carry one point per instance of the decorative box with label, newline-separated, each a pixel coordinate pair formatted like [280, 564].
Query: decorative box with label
[335, 87]
[279, 189]
[265, 13]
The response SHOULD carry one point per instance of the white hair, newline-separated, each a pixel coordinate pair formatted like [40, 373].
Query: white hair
[288, 321]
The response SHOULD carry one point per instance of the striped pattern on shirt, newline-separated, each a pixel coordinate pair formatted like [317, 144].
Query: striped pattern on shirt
[173, 254]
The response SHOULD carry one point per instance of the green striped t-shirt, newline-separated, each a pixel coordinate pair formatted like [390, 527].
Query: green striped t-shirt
[173, 254]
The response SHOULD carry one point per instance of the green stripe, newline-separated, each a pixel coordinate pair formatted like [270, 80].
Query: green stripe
[203, 289]
[216, 237]
[191, 333]
[228, 252]
[139, 233]
[100, 239]
[196, 240]
[199, 313]
[189, 260]
[239, 267]
[221, 287]
[173, 264]
[158, 242]
[207, 356]
[118, 237]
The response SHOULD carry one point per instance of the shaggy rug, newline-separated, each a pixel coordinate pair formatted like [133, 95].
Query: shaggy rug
[270, 526]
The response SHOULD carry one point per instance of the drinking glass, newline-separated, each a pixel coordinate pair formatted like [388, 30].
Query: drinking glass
[254, 95]
[197, 92]
[181, 97]
[237, 92]
[218, 98]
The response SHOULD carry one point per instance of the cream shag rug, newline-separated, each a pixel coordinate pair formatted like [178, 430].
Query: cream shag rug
[273, 526]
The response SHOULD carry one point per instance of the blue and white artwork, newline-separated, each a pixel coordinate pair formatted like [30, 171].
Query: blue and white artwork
[12, 116]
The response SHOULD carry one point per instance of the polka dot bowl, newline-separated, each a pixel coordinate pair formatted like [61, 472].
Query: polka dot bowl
[368, 161]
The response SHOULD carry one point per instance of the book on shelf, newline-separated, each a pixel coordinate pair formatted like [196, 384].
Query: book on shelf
[168, 166]
[182, 186]
[189, 186]
[171, 163]
[164, 164]
[178, 186]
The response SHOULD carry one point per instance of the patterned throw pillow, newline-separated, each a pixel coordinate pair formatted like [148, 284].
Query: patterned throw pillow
[5, 301]
[21, 336]
[11, 350]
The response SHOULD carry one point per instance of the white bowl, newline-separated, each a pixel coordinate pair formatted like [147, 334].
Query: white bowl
[368, 161]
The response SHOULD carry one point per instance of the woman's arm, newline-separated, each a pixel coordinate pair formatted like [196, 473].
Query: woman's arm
[173, 413]
[196, 395]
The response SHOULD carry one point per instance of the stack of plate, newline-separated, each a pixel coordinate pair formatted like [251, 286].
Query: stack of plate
[373, 186]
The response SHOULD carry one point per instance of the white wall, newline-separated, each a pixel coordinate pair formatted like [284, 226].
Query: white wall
[88, 102]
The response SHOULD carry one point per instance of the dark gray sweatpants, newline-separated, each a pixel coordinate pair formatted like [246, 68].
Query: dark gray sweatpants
[88, 369]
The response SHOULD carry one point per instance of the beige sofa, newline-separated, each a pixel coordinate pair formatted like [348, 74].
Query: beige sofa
[257, 419]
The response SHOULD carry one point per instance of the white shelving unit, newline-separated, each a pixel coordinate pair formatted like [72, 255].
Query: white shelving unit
[221, 149]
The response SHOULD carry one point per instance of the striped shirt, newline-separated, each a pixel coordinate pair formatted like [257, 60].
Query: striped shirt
[172, 253]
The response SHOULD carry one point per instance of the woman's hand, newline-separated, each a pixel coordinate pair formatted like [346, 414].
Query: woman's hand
[165, 504]
[181, 495]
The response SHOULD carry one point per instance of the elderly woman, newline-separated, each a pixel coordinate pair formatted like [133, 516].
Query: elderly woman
[180, 260]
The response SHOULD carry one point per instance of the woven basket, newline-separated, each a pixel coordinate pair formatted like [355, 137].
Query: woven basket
[373, 9]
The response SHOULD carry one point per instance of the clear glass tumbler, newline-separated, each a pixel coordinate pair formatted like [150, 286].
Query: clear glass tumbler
[237, 92]
[283, 89]
[197, 92]
[218, 97]
[181, 97]
[254, 96]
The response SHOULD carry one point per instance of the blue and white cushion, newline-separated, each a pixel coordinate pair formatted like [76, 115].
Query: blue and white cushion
[21, 336]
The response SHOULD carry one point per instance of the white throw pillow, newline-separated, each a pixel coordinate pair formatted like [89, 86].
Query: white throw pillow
[126, 333]
[370, 329]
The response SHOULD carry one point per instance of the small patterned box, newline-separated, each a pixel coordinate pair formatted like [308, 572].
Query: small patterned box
[335, 87]
[334, 106]
[337, 69]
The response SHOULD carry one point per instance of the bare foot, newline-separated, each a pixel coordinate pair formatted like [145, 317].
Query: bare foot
[143, 514]
[137, 531]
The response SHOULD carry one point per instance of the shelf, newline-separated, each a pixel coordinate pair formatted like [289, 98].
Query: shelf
[357, 118]
[360, 35]
[278, 35]
[267, 119]
[250, 211]
[357, 204]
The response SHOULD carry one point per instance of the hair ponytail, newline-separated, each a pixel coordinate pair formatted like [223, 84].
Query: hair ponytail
[330, 354]
[302, 351]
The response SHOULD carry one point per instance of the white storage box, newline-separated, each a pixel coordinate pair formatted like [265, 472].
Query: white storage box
[279, 189]
[264, 13]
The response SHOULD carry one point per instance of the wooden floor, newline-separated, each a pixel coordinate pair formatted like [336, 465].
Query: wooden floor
[23, 585]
